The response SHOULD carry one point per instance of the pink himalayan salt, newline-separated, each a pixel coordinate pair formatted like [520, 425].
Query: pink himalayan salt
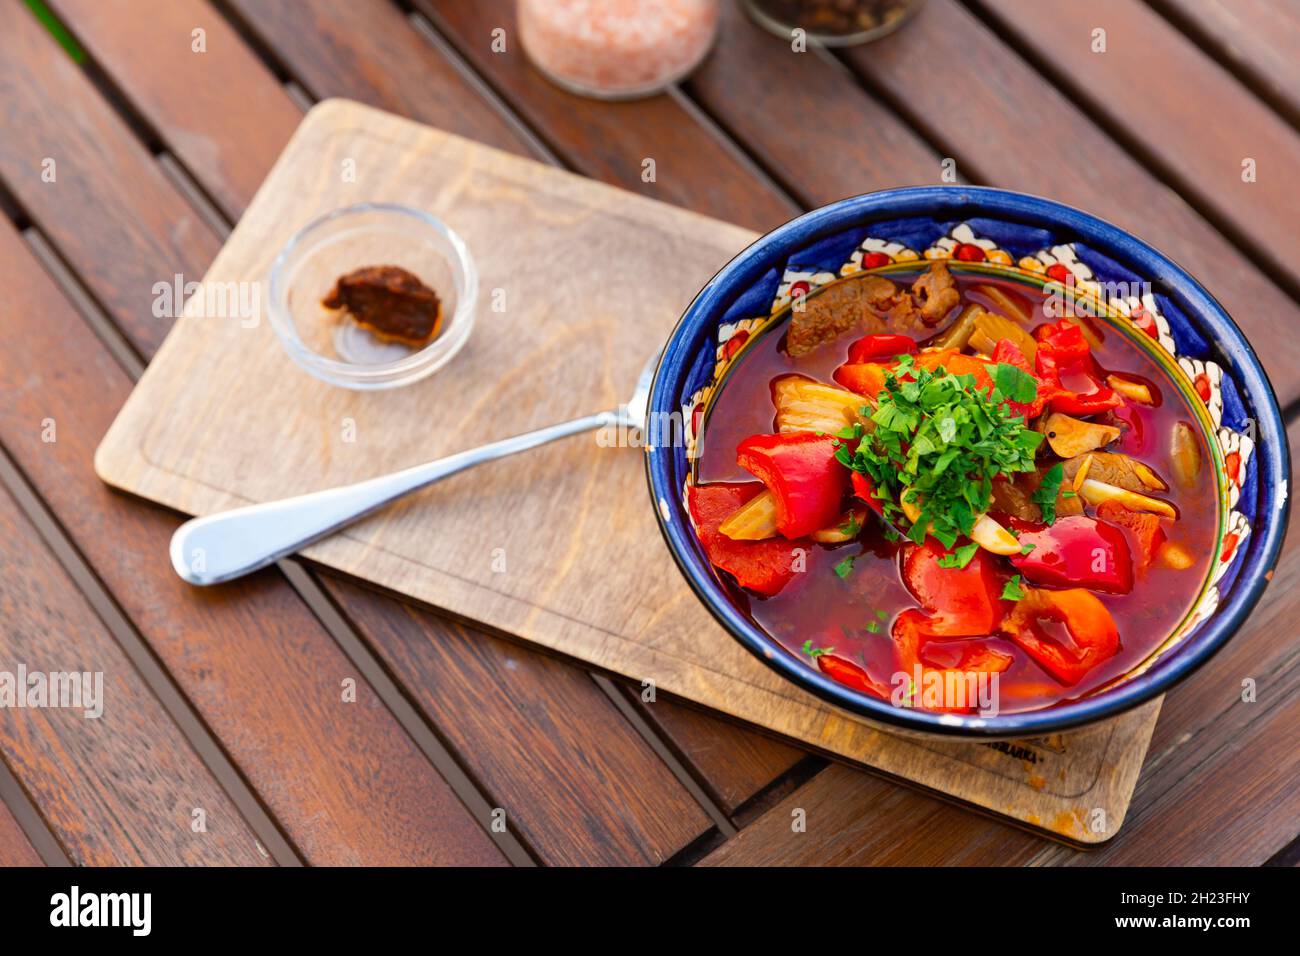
[617, 47]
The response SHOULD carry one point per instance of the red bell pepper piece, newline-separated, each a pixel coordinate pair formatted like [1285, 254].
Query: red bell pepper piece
[872, 347]
[762, 566]
[963, 602]
[850, 675]
[804, 476]
[912, 629]
[865, 378]
[1091, 628]
[1075, 552]
[864, 488]
[1007, 352]
[1144, 529]
[1066, 367]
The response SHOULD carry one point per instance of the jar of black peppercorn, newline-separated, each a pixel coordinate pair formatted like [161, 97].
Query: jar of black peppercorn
[832, 22]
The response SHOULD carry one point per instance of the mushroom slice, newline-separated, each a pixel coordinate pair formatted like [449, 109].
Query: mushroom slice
[991, 536]
[1114, 468]
[1096, 492]
[755, 520]
[1072, 436]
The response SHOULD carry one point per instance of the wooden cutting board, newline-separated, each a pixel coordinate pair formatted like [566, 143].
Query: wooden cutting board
[580, 282]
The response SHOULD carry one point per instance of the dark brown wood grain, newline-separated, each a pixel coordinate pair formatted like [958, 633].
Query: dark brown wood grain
[601, 828]
[120, 788]
[694, 167]
[1258, 38]
[734, 763]
[850, 818]
[343, 779]
[367, 50]
[15, 848]
[558, 756]
[227, 125]
[64, 123]
[1181, 87]
[818, 132]
[983, 105]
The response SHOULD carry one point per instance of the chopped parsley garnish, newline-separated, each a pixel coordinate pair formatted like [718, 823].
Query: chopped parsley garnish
[938, 440]
[1011, 591]
[873, 627]
[1048, 489]
[851, 527]
[815, 652]
[1026, 548]
[845, 567]
[1015, 384]
[960, 557]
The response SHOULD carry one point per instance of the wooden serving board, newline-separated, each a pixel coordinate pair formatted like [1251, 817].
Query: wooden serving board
[580, 282]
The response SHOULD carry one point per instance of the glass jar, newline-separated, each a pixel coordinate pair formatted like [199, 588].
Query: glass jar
[617, 49]
[832, 22]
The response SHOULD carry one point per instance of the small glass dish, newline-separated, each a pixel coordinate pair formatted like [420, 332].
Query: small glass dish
[333, 347]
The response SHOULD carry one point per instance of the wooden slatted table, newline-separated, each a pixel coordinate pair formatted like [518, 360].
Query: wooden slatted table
[230, 698]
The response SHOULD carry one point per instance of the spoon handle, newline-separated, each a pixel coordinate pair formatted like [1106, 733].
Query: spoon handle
[230, 544]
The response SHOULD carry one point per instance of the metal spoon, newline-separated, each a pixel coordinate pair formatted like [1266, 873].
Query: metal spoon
[225, 546]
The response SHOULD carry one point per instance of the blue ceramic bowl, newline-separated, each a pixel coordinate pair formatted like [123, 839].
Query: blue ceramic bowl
[1031, 239]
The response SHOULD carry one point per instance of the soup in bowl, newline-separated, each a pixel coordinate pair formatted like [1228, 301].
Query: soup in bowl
[969, 462]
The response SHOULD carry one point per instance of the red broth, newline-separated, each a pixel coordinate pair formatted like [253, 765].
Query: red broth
[854, 614]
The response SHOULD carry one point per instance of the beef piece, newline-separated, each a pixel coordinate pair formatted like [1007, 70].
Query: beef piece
[837, 309]
[935, 293]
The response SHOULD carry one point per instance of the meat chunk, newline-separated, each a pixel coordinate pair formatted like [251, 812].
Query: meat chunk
[935, 293]
[837, 309]
[871, 303]
[1116, 469]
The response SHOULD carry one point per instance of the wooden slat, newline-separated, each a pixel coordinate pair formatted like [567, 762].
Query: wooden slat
[559, 746]
[120, 788]
[609, 141]
[603, 830]
[366, 50]
[817, 130]
[1160, 89]
[1258, 37]
[850, 818]
[229, 127]
[42, 93]
[15, 848]
[1006, 126]
[734, 763]
[344, 780]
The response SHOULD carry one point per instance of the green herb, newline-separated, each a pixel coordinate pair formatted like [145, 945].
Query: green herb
[1026, 548]
[1048, 488]
[959, 558]
[851, 527]
[873, 627]
[883, 615]
[936, 440]
[815, 652]
[845, 567]
[1011, 591]
[1015, 384]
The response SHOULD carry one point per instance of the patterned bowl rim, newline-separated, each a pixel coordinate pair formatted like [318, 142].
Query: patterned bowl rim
[1069, 224]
